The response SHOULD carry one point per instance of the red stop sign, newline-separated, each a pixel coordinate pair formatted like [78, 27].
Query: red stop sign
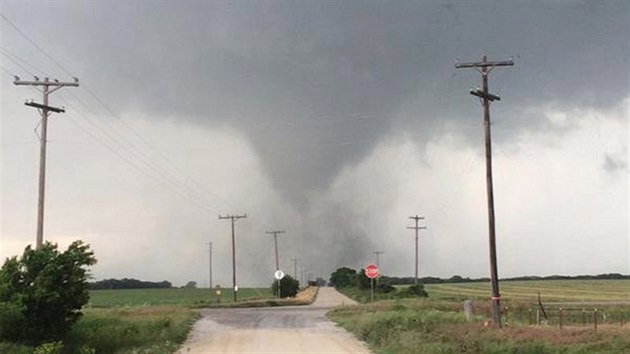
[371, 271]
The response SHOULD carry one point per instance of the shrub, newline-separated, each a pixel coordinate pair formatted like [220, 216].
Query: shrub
[48, 288]
[385, 287]
[413, 291]
[288, 286]
[12, 322]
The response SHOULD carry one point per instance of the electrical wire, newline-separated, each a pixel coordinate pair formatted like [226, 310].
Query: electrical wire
[130, 146]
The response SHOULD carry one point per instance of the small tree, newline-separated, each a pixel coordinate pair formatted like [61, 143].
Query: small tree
[190, 285]
[44, 291]
[288, 286]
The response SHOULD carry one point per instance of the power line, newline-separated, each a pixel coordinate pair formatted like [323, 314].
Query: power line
[161, 177]
[140, 155]
[149, 146]
[36, 45]
[7, 52]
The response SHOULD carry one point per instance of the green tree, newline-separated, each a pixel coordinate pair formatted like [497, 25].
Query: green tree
[44, 291]
[343, 277]
[190, 285]
[288, 286]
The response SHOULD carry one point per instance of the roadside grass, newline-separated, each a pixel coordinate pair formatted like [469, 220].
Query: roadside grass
[155, 329]
[175, 296]
[409, 326]
[306, 296]
[144, 320]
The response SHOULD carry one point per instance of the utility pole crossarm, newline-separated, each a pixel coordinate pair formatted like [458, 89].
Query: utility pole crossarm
[233, 217]
[484, 64]
[41, 106]
[53, 83]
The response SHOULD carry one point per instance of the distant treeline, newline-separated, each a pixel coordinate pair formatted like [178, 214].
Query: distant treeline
[459, 279]
[129, 284]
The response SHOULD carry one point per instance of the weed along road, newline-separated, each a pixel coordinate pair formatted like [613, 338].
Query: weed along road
[290, 329]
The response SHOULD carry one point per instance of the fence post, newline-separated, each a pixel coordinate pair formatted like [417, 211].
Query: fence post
[529, 316]
[560, 318]
[468, 310]
[595, 319]
[584, 317]
[537, 317]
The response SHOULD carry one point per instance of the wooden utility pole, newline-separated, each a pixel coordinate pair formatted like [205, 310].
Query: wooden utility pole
[485, 67]
[275, 242]
[416, 227]
[233, 218]
[377, 253]
[295, 262]
[210, 266]
[44, 110]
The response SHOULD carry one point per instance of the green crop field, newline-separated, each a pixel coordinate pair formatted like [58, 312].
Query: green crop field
[185, 297]
[550, 290]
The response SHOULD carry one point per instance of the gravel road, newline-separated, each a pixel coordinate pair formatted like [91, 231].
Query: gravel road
[290, 329]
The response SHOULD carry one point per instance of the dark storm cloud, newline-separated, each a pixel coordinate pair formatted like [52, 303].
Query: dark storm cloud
[316, 84]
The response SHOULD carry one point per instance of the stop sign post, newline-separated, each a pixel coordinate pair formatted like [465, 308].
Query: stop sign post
[371, 271]
[278, 275]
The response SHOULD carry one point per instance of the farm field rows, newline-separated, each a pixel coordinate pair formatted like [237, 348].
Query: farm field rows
[550, 290]
[174, 296]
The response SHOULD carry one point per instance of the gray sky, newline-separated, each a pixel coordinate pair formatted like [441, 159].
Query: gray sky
[333, 120]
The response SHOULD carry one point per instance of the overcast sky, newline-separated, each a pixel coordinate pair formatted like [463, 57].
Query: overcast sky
[334, 121]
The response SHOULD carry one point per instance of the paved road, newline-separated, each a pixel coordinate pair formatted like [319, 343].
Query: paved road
[290, 329]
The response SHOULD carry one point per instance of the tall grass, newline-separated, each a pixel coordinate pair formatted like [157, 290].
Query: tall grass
[428, 326]
[158, 329]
